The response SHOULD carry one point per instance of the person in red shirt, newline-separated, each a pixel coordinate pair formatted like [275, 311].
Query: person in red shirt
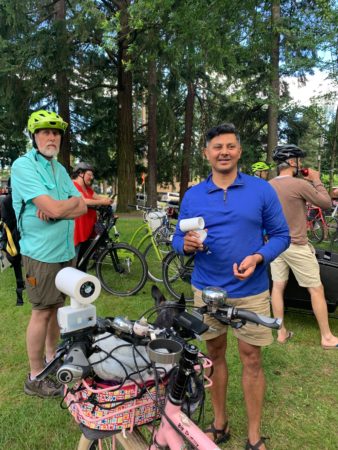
[83, 176]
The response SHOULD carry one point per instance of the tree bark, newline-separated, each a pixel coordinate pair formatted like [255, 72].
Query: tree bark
[62, 82]
[125, 141]
[274, 87]
[186, 159]
[151, 185]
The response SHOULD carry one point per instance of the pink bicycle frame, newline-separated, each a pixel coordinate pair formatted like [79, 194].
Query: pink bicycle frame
[166, 435]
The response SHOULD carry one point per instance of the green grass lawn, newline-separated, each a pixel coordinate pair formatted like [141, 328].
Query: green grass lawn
[301, 408]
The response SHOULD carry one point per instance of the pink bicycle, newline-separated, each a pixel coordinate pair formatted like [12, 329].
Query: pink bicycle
[151, 407]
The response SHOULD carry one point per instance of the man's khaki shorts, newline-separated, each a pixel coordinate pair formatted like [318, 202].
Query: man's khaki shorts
[301, 259]
[251, 333]
[40, 282]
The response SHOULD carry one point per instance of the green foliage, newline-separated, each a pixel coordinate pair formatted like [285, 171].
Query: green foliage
[222, 47]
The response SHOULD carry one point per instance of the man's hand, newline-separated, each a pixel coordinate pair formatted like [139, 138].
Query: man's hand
[106, 201]
[42, 216]
[313, 176]
[247, 267]
[192, 242]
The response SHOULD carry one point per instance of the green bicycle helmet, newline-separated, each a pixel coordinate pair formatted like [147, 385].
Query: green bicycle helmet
[45, 119]
[258, 166]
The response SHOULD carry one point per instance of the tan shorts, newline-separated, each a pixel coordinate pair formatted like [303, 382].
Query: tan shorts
[40, 282]
[251, 333]
[301, 259]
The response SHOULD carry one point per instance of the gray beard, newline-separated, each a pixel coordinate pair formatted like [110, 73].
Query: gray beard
[49, 153]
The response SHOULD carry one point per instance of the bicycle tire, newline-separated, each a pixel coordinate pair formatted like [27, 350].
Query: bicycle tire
[332, 225]
[154, 259]
[133, 441]
[176, 273]
[121, 269]
[316, 231]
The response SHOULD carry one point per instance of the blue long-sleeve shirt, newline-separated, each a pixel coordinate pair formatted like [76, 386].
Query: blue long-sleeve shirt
[236, 220]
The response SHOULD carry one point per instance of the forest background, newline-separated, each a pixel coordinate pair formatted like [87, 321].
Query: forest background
[141, 81]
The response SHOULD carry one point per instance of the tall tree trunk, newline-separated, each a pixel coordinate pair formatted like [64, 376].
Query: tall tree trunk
[334, 151]
[274, 87]
[62, 83]
[151, 185]
[189, 116]
[125, 141]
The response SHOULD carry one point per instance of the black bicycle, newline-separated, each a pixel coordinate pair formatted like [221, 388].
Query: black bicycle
[120, 267]
[176, 274]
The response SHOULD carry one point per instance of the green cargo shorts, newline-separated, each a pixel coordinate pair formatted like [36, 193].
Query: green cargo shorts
[40, 282]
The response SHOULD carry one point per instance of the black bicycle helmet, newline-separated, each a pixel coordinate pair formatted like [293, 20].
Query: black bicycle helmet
[82, 167]
[283, 152]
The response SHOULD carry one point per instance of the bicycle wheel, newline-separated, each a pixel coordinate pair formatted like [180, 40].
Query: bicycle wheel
[121, 269]
[315, 231]
[332, 225]
[132, 441]
[177, 270]
[154, 257]
[164, 233]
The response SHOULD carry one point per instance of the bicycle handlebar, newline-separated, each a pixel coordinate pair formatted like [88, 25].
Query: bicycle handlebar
[140, 207]
[233, 316]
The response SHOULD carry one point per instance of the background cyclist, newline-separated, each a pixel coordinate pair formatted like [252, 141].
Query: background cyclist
[300, 257]
[260, 169]
[83, 177]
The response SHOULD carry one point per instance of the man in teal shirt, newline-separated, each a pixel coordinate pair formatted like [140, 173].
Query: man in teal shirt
[45, 202]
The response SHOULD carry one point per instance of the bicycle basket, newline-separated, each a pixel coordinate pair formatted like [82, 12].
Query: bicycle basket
[155, 218]
[102, 407]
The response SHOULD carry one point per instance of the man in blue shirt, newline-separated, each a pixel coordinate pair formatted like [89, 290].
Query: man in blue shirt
[45, 203]
[237, 209]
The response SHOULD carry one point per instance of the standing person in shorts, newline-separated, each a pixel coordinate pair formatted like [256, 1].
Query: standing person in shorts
[236, 209]
[45, 203]
[300, 257]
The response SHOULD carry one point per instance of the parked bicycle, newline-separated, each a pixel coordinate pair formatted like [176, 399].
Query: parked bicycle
[319, 226]
[112, 412]
[153, 238]
[120, 267]
[332, 219]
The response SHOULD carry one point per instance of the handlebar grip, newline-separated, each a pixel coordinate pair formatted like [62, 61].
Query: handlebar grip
[269, 322]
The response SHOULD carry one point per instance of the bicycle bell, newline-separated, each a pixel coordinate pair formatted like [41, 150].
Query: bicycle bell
[214, 297]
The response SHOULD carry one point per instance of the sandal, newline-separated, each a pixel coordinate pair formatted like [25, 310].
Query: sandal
[219, 436]
[256, 446]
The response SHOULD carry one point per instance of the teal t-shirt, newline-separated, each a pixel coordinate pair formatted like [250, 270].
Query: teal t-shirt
[33, 175]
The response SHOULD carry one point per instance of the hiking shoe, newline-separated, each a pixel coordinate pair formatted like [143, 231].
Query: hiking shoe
[45, 388]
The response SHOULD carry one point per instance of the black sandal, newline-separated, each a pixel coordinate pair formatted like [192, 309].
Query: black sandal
[256, 446]
[219, 436]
